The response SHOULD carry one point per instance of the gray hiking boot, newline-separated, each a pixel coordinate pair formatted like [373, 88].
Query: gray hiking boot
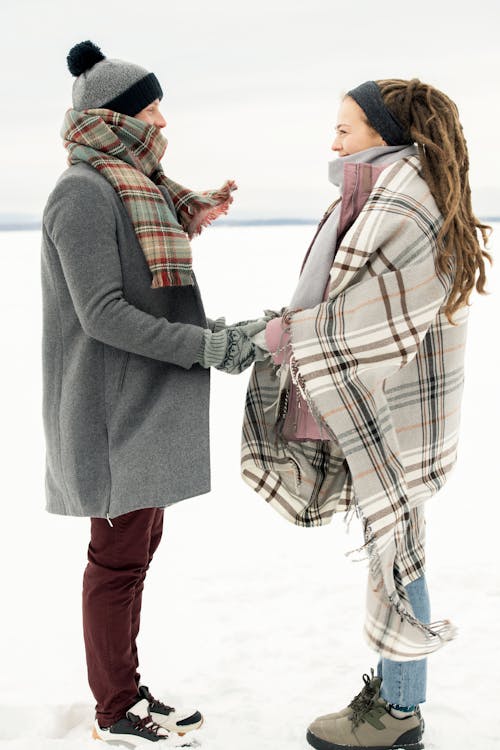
[370, 688]
[366, 724]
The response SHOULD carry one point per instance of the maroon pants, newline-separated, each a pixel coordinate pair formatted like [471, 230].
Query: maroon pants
[118, 558]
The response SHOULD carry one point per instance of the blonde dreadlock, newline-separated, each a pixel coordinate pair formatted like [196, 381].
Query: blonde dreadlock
[432, 120]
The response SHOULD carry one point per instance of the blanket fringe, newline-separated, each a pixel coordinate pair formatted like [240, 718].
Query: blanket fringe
[435, 633]
[442, 629]
[297, 379]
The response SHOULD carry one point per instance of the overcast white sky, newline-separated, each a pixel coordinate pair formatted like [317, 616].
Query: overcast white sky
[251, 88]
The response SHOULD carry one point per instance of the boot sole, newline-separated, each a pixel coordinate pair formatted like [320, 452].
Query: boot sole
[320, 744]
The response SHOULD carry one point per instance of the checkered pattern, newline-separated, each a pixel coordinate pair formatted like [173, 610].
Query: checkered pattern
[381, 368]
[127, 151]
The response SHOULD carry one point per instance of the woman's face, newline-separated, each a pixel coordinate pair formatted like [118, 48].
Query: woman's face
[353, 133]
[152, 115]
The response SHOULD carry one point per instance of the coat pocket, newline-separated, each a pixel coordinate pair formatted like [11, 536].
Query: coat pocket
[116, 365]
[123, 370]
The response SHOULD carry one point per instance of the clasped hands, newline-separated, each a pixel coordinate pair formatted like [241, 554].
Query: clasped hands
[233, 348]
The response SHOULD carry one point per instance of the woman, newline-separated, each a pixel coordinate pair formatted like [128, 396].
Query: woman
[359, 407]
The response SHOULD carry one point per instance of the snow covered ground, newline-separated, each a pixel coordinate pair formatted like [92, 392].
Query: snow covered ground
[256, 622]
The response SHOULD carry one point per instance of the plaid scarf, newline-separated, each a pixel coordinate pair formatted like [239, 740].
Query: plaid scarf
[127, 151]
[381, 368]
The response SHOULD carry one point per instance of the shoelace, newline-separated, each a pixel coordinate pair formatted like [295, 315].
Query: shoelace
[145, 724]
[159, 704]
[368, 689]
[154, 703]
[364, 702]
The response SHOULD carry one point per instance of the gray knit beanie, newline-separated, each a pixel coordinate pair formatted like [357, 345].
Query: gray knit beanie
[103, 82]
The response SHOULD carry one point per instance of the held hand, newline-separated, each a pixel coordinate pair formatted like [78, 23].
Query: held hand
[231, 349]
[219, 324]
[248, 326]
[240, 351]
[251, 327]
[261, 349]
[246, 344]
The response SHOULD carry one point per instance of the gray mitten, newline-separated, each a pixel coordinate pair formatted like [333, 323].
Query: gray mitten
[261, 348]
[255, 330]
[268, 315]
[231, 349]
[216, 325]
[220, 323]
[213, 348]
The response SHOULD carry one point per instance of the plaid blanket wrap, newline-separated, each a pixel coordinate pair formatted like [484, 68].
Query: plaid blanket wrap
[381, 368]
[127, 151]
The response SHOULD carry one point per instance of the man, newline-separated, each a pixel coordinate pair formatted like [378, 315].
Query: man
[126, 355]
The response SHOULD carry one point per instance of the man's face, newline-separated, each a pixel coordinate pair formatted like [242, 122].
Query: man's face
[152, 115]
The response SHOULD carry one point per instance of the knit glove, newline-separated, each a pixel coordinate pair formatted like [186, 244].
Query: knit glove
[216, 325]
[231, 349]
[262, 349]
[268, 314]
[219, 323]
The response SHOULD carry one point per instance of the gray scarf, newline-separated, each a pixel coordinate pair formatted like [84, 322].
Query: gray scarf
[312, 281]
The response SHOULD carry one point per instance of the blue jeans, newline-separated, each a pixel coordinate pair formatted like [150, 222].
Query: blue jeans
[404, 682]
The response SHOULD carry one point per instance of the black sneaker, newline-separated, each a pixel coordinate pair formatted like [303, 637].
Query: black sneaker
[171, 719]
[137, 729]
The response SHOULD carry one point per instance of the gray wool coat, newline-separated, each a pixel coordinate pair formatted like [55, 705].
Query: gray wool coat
[125, 409]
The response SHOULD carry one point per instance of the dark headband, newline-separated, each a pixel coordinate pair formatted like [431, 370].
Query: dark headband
[369, 98]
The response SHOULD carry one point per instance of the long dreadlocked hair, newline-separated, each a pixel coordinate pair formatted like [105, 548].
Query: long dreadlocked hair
[432, 122]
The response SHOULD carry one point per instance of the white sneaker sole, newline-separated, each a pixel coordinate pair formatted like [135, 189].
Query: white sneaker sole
[128, 740]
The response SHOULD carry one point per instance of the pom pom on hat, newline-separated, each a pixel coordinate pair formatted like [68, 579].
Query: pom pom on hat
[83, 56]
[113, 84]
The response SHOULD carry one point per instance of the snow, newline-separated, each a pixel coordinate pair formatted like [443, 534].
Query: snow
[254, 621]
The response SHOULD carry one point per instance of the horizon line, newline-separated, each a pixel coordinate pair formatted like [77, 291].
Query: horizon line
[15, 226]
